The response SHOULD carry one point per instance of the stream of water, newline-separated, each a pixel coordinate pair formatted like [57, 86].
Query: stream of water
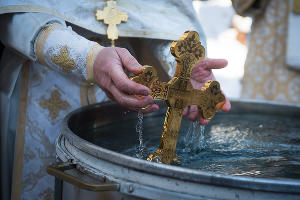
[140, 149]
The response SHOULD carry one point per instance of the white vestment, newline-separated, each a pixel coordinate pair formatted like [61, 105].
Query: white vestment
[34, 98]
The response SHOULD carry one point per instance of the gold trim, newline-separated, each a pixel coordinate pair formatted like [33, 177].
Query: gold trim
[91, 94]
[90, 59]
[20, 135]
[84, 93]
[41, 41]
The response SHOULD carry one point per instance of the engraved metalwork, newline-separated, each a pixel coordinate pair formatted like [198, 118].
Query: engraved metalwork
[179, 93]
[112, 16]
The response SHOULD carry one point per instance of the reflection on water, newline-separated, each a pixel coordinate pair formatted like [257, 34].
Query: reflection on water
[249, 145]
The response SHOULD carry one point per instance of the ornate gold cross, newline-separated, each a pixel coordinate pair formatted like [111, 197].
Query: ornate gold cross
[112, 16]
[179, 93]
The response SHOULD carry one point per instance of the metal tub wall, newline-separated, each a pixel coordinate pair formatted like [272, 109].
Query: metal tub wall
[97, 170]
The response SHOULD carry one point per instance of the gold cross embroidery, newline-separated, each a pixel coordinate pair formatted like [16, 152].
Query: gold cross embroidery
[179, 93]
[112, 16]
[63, 60]
[54, 104]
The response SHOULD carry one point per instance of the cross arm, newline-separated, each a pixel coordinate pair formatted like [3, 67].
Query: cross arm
[149, 78]
[209, 99]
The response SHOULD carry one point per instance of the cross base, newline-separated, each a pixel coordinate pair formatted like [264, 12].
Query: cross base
[158, 156]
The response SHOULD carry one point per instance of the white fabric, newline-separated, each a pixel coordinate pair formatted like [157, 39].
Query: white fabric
[9, 71]
[42, 128]
[147, 18]
[76, 45]
[21, 40]
[31, 24]
[293, 41]
[167, 19]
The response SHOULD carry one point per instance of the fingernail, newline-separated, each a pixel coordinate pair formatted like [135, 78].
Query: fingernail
[150, 100]
[155, 107]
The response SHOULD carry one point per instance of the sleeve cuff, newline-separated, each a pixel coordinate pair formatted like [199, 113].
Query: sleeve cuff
[64, 50]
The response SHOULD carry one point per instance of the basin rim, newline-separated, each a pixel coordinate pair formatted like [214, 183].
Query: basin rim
[185, 174]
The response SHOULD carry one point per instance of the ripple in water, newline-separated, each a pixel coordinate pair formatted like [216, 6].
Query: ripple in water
[258, 145]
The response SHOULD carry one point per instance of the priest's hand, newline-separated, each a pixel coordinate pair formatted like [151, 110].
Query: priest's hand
[110, 77]
[201, 73]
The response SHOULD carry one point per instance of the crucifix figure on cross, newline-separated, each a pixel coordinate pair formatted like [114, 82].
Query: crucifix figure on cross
[112, 16]
[179, 93]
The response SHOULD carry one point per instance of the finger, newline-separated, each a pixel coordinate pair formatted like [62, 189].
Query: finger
[193, 112]
[203, 121]
[126, 85]
[130, 101]
[211, 63]
[150, 109]
[108, 94]
[185, 111]
[227, 106]
[128, 61]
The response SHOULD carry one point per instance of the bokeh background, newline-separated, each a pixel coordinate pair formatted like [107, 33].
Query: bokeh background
[227, 35]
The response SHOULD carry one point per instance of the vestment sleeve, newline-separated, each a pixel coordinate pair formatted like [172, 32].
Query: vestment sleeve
[19, 30]
[62, 49]
[46, 39]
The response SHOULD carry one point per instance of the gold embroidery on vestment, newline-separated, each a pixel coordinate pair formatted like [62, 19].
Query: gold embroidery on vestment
[54, 104]
[63, 60]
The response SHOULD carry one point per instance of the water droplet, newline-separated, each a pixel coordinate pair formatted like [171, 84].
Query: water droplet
[139, 129]
[195, 138]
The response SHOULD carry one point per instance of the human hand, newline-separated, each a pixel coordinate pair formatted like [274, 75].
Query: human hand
[201, 73]
[109, 75]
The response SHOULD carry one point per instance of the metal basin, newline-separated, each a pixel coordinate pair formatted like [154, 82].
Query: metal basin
[96, 139]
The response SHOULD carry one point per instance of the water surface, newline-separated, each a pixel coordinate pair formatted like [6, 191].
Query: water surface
[256, 145]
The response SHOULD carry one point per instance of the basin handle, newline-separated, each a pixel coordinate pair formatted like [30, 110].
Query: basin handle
[58, 170]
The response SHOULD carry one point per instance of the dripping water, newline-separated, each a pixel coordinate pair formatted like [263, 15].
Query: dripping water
[194, 139]
[140, 150]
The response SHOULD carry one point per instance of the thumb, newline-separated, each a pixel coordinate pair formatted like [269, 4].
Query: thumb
[128, 61]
